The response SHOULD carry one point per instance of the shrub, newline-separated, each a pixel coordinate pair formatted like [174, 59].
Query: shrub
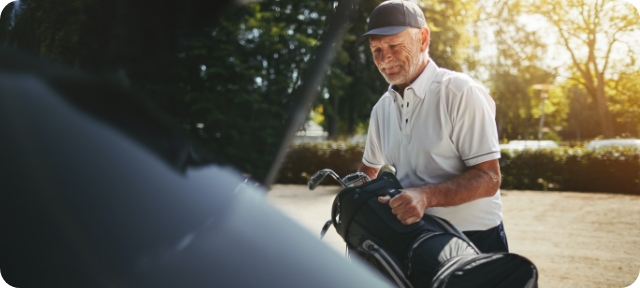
[307, 158]
[612, 170]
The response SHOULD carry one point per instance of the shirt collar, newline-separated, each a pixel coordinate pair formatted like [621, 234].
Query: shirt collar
[422, 83]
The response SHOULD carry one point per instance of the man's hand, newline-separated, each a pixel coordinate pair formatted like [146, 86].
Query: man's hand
[408, 206]
[481, 180]
[370, 171]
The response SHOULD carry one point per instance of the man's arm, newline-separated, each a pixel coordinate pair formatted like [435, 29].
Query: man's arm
[481, 180]
[370, 171]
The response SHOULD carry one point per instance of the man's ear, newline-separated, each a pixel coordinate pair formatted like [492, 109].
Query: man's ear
[424, 44]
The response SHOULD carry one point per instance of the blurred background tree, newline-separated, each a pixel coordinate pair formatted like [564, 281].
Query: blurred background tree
[517, 65]
[227, 80]
[595, 33]
[583, 47]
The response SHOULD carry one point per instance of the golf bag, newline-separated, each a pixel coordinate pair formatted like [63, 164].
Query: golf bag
[429, 253]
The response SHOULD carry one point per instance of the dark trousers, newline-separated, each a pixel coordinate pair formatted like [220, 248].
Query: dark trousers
[490, 240]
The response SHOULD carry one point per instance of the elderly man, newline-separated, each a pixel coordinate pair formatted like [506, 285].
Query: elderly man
[436, 127]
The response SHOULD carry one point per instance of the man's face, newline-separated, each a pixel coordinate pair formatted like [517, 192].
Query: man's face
[397, 56]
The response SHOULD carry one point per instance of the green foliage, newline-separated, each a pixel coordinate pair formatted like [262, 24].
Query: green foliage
[593, 39]
[582, 117]
[241, 90]
[227, 82]
[624, 96]
[530, 170]
[305, 159]
[46, 28]
[516, 67]
[354, 84]
[613, 170]
[452, 41]
[596, 33]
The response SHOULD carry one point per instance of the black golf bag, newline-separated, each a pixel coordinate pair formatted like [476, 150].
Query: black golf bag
[429, 253]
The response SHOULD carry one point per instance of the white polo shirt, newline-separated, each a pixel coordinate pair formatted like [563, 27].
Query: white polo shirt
[444, 124]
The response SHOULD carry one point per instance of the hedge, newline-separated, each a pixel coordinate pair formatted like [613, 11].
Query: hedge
[612, 170]
[304, 159]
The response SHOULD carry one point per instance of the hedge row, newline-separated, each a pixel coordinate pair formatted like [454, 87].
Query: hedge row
[307, 158]
[613, 170]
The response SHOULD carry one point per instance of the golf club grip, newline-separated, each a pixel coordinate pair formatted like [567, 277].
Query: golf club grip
[391, 193]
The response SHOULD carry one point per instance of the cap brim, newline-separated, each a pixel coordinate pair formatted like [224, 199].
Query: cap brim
[382, 31]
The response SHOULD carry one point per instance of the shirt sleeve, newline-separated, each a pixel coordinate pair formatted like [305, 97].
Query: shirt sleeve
[474, 127]
[372, 156]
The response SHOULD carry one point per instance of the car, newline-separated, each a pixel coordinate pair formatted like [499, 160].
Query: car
[102, 188]
[519, 145]
[602, 143]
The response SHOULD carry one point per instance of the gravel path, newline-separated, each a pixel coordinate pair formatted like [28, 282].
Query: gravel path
[575, 239]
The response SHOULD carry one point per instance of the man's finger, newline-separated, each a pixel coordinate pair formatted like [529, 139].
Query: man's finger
[384, 199]
[410, 220]
[396, 201]
[399, 210]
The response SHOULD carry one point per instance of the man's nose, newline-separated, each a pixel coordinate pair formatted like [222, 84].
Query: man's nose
[385, 55]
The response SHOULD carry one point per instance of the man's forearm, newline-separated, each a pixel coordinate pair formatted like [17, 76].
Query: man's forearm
[481, 180]
[476, 183]
[370, 171]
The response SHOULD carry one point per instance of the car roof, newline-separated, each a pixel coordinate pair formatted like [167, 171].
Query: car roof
[614, 142]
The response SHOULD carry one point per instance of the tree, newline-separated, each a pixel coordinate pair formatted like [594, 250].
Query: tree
[354, 84]
[452, 42]
[225, 75]
[240, 91]
[583, 116]
[517, 65]
[625, 104]
[591, 30]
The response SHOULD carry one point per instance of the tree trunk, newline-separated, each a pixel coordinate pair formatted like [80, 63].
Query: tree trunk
[333, 118]
[606, 121]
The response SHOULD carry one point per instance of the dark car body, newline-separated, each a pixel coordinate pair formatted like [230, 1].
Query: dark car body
[99, 189]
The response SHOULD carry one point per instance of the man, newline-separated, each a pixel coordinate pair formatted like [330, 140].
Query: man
[436, 127]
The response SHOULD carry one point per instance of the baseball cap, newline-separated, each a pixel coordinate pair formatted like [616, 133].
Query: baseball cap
[392, 17]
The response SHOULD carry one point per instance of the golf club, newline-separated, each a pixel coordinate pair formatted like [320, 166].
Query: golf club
[355, 177]
[316, 178]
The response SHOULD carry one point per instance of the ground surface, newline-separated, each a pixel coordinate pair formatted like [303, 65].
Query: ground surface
[575, 239]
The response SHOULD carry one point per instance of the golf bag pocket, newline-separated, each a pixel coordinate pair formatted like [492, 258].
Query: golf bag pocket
[428, 252]
[500, 270]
